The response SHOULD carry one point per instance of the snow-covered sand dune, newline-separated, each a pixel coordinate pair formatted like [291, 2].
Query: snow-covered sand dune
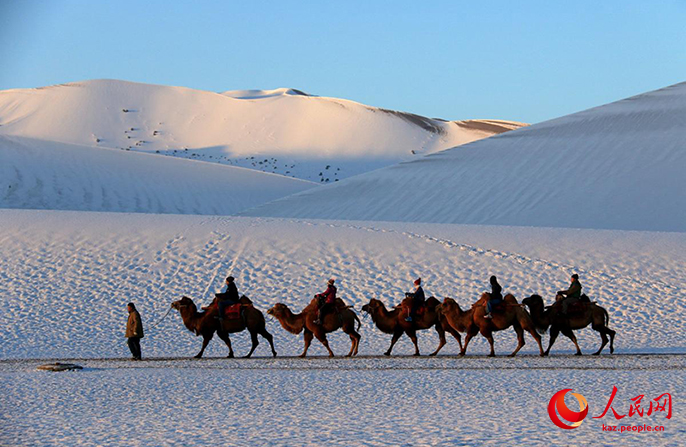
[283, 131]
[65, 277]
[619, 166]
[49, 175]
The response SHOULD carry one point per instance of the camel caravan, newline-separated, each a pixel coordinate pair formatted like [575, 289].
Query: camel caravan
[326, 313]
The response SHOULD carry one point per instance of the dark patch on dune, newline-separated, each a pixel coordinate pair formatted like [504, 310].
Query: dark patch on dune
[490, 126]
[425, 123]
[299, 92]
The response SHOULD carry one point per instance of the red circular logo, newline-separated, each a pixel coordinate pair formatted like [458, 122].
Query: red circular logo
[557, 402]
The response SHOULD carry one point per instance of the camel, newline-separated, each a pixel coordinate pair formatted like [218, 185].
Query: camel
[472, 321]
[344, 318]
[455, 320]
[393, 322]
[206, 324]
[552, 317]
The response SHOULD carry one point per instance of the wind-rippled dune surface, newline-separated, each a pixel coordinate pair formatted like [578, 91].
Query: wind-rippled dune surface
[65, 278]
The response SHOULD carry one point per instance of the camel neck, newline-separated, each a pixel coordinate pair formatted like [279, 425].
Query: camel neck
[384, 319]
[540, 316]
[293, 323]
[190, 317]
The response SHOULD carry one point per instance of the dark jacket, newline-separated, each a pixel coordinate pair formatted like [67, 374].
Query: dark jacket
[496, 291]
[574, 291]
[330, 294]
[231, 293]
[418, 295]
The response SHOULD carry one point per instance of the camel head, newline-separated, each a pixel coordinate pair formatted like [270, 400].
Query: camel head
[292, 323]
[533, 301]
[449, 304]
[183, 302]
[372, 306]
[279, 310]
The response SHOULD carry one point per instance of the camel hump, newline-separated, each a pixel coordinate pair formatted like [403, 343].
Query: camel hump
[245, 300]
[482, 300]
[510, 299]
[431, 302]
[313, 306]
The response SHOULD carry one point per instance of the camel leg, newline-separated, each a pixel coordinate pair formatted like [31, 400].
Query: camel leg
[263, 332]
[520, 339]
[456, 335]
[470, 333]
[489, 337]
[307, 336]
[352, 345]
[321, 336]
[554, 331]
[354, 341]
[441, 339]
[225, 338]
[413, 336]
[529, 326]
[205, 340]
[255, 342]
[357, 342]
[396, 336]
[570, 335]
[604, 330]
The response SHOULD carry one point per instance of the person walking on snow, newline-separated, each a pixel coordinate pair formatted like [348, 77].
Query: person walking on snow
[134, 331]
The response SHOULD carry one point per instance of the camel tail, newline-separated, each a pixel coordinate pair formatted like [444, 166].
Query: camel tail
[607, 316]
[359, 323]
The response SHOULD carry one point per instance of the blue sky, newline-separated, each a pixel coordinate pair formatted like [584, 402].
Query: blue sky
[526, 61]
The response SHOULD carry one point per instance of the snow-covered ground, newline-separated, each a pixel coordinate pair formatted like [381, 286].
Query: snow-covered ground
[441, 401]
[282, 131]
[65, 277]
[619, 166]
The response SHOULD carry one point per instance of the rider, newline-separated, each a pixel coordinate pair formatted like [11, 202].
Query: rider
[326, 301]
[571, 295]
[417, 298]
[228, 297]
[496, 296]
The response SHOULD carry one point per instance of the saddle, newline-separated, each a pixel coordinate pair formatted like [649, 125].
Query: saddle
[233, 311]
[340, 305]
[406, 307]
[575, 308]
[498, 308]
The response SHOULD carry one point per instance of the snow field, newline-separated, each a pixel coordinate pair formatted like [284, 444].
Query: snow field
[340, 402]
[65, 278]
